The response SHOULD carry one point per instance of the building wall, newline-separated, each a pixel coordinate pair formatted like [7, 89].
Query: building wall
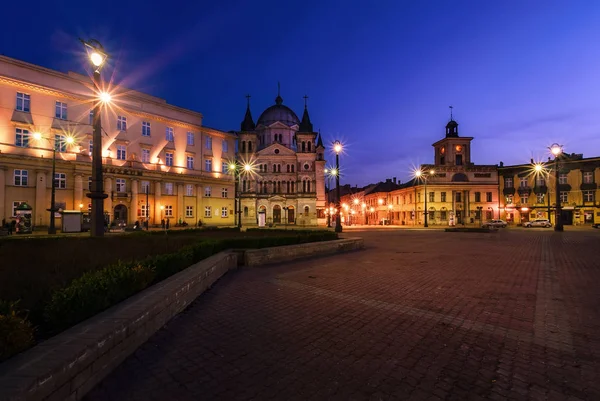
[123, 150]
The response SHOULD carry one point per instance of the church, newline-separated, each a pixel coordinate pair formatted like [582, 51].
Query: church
[286, 184]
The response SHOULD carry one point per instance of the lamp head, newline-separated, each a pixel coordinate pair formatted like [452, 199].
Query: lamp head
[69, 140]
[418, 173]
[556, 149]
[538, 167]
[247, 167]
[232, 167]
[105, 97]
[432, 172]
[337, 147]
[37, 136]
[355, 201]
[95, 53]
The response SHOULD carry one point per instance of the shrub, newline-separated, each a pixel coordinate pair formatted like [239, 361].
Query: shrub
[16, 333]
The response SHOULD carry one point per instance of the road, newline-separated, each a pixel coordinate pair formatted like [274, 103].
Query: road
[417, 315]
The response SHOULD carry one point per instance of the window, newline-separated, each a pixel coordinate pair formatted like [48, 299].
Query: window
[523, 182]
[488, 196]
[208, 165]
[540, 181]
[189, 190]
[223, 192]
[459, 160]
[168, 211]
[208, 143]
[121, 185]
[508, 182]
[588, 177]
[225, 146]
[524, 199]
[306, 211]
[21, 178]
[60, 142]
[145, 187]
[207, 192]
[443, 215]
[477, 196]
[121, 152]
[540, 198]
[588, 196]
[144, 211]
[91, 117]
[207, 211]
[410, 198]
[168, 188]
[190, 138]
[122, 123]
[432, 197]
[564, 196]
[145, 155]
[224, 211]
[562, 178]
[60, 111]
[189, 211]
[458, 196]
[190, 162]
[443, 197]
[23, 102]
[146, 128]
[169, 136]
[15, 205]
[509, 199]
[224, 168]
[60, 180]
[89, 183]
[169, 158]
[21, 138]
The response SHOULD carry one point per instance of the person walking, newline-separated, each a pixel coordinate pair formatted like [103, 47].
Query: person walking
[162, 223]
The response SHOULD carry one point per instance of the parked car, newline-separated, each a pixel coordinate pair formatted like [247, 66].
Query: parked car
[494, 224]
[537, 223]
[597, 225]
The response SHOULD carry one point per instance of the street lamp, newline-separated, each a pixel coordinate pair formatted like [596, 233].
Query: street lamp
[424, 175]
[337, 147]
[237, 170]
[390, 213]
[329, 173]
[557, 150]
[97, 58]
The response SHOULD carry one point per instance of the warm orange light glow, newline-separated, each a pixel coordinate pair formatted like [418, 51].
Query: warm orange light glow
[380, 201]
[162, 207]
[390, 207]
[356, 201]
[37, 136]
[556, 149]
[337, 147]
[372, 209]
[247, 167]
[81, 205]
[105, 97]
[70, 140]
[432, 172]
[418, 173]
[538, 167]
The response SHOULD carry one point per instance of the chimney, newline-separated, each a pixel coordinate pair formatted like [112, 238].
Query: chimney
[394, 180]
[388, 180]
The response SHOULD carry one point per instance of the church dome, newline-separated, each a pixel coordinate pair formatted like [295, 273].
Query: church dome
[278, 112]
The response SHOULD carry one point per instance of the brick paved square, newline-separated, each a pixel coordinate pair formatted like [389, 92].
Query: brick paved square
[419, 315]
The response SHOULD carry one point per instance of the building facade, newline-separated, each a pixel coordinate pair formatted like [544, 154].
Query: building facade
[287, 184]
[159, 161]
[455, 190]
[529, 193]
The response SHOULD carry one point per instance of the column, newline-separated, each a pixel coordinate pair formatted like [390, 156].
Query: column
[157, 204]
[108, 187]
[199, 209]
[179, 213]
[134, 205]
[3, 207]
[78, 193]
[41, 215]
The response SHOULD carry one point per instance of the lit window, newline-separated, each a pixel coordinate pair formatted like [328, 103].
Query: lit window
[145, 156]
[588, 196]
[21, 138]
[523, 182]
[509, 199]
[208, 165]
[60, 110]
[145, 128]
[190, 138]
[169, 136]
[540, 198]
[21, 178]
[121, 152]
[189, 211]
[562, 178]
[508, 182]
[60, 143]
[60, 180]
[169, 159]
[122, 123]
[207, 192]
[225, 146]
[189, 190]
[208, 143]
[190, 162]
[121, 185]
[168, 211]
[144, 211]
[224, 211]
[145, 187]
[207, 211]
[564, 196]
[524, 199]
[223, 192]
[168, 188]
[588, 177]
[23, 102]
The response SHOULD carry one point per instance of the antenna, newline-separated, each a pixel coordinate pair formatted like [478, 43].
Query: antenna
[451, 107]
[305, 99]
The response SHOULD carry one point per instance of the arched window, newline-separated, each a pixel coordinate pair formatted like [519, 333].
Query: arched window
[303, 185]
[307, 186]
[292, 168]
[309, 146]
[304, 146]
[249, 146]
[245, 211]
[243, 146]
[306, 211]
[288, 168]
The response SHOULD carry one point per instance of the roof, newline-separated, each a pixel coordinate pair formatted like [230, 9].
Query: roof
[384, 186]
[278, 113]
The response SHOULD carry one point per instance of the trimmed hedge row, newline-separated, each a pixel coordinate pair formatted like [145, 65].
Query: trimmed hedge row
[98, 290]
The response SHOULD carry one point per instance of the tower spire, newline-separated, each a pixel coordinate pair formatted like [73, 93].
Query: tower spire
[305, 99]
[278, 99]
[248, 123]
[451, 107]
[305, 124]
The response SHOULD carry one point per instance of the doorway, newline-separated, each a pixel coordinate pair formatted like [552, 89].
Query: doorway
[121, 214]
[276, 214]
[290, 215]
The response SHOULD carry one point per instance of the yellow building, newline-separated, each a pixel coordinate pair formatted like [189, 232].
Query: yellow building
[530, 193]
[158, 159]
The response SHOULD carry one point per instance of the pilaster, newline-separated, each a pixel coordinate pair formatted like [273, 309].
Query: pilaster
[133, 209]
[41, 215]
[157, 196]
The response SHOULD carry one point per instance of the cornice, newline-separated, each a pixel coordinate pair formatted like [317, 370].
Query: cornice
[40, 89]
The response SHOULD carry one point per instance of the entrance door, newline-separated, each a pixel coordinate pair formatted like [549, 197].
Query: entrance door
[276, 214]
[291, 216]
[262, 216]
[566, 217]
[121, 214]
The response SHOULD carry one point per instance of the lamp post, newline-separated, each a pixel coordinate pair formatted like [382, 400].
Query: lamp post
[557, 150]
[285, 209]
[330, 173]
[337, 147]
[97, 58]
[418, 175]
[237, 170]
[390, 213]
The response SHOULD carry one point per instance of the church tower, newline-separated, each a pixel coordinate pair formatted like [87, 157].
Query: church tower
[453, 150]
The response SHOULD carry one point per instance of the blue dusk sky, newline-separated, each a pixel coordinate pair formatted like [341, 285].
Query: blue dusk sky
[380, 75]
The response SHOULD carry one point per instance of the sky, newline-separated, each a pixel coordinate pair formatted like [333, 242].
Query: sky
[380, 75]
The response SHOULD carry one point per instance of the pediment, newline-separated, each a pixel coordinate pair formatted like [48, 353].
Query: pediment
[270, 151]
[277, 198]
[279, 124]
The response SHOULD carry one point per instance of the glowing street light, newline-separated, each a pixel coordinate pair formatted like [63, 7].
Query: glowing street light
[237, 169]
[424, 175]
[337, 147]
[557, 150]
[105, 97]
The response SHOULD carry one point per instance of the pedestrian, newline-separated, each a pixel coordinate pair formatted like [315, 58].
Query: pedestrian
[168, 223]
[162, 223]
[11, 227]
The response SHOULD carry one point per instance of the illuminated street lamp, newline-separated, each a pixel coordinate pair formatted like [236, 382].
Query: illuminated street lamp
[557, 150]
[237, 170]
[425, 176]
[97, 58]
[68, 140]
[337, 147]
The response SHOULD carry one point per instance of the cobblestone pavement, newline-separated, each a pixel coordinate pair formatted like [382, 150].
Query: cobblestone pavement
[417, 315]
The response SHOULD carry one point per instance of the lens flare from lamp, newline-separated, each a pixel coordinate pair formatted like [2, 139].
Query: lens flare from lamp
[337, 147]
[97, 59]
[418, 173]
[37, 136]
[70, 140]
[232, 166]
[105, 97]
[556, 149]
[355, 201]
[432, 172]
[538, 167]
[247, 167]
